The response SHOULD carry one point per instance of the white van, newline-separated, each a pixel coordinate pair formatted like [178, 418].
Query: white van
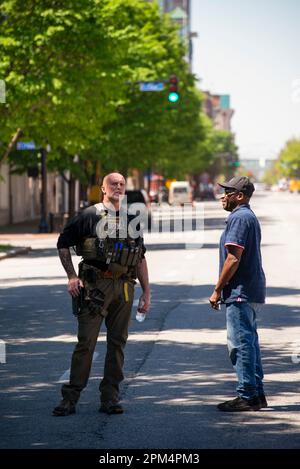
[180, 193]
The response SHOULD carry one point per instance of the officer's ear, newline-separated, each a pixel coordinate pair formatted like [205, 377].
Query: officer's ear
[103, 190]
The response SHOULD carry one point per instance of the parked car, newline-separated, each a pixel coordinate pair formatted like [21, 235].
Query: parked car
[180, 193]
[140, 196]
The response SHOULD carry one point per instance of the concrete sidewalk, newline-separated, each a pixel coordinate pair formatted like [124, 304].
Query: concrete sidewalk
[26, 227]
[24, 237]
[16, 251]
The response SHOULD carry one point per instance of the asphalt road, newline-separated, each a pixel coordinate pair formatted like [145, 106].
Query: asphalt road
[177, 369]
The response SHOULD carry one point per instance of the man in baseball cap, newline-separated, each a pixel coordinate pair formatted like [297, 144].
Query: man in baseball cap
[240, 184]
[242, 287]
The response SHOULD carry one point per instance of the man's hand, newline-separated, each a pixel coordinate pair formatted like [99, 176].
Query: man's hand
[73, 285]
[142, 274]
[215, 300]
[144, 302]
[74, 282]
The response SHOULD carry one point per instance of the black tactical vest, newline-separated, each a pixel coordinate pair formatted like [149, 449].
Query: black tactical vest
[125, 252]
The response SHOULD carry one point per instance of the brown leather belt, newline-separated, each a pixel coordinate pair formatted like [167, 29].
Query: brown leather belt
[114, 275]
[106, 273]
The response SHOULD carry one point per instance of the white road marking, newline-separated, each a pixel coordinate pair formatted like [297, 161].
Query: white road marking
[189, 256]
[174, 273]
[66, 375]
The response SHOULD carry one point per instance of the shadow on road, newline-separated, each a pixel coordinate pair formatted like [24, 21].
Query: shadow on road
[186, 374]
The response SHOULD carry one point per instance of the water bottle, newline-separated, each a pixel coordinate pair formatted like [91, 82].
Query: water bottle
[140, 314]
[140, 317]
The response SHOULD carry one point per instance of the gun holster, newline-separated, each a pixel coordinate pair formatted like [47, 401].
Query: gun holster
[77, 302]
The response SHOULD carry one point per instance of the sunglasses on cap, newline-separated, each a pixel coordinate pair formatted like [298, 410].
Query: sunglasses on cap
[229, 192]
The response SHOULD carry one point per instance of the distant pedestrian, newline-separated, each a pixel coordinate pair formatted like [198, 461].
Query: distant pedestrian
[241, 286]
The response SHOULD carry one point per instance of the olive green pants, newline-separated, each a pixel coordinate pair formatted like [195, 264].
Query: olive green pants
[105, 299]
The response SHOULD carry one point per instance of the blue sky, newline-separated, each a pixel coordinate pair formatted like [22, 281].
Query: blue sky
[250, 49]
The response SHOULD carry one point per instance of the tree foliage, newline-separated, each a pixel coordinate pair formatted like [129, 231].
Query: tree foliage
[72, 68]
[288, 163]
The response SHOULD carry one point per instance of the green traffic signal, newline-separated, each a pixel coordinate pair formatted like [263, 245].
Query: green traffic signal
[173, 97]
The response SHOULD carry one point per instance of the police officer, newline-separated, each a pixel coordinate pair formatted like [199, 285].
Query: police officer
[103, 290]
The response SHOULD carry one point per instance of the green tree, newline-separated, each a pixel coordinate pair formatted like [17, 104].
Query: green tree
[59, 81]
[71, 69]
[288, 163]
[68, 66]
[272, 174]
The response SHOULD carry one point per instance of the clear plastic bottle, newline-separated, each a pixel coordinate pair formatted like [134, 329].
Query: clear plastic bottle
[140, 317]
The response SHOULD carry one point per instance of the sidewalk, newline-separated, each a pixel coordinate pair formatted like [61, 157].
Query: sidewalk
[12, 252]
[23, 236]
[30, 227]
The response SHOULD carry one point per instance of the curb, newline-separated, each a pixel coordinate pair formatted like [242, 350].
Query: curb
[14, 252]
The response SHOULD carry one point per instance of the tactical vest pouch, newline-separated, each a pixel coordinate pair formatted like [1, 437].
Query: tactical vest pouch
[117, 250]
[91, 249]
[130, 255]
[124, 252]
[124, 255]
[135, 253]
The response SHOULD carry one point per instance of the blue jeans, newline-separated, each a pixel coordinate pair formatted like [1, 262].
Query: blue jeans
[243, 347]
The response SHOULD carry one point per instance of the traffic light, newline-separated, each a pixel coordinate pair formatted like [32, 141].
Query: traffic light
[234, 163]
[173, 96]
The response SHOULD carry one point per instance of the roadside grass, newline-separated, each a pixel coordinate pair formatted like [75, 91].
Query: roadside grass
[6, 247]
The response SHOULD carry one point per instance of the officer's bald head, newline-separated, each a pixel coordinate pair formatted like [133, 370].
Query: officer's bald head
[113, 188]
[112, 177]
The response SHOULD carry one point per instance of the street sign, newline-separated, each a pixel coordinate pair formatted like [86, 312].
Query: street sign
[151, 86]
[26, 146]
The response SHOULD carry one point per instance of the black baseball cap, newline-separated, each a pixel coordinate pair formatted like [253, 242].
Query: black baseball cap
[241, 184]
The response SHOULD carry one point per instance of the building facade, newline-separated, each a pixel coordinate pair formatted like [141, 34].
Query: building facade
[256, 167]
[20, 196]
[217, 107]
[180, 13]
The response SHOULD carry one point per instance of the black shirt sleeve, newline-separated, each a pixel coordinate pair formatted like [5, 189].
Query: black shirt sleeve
[79, 227]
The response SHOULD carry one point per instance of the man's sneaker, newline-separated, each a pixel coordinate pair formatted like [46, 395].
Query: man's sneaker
[239, 405]
[111, 407]
[263, 401]
[64, 408]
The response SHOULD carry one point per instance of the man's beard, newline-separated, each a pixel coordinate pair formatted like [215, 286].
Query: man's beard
[231, 205]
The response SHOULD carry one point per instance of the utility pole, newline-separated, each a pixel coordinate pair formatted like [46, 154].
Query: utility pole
[43, 226]
[11, 145]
